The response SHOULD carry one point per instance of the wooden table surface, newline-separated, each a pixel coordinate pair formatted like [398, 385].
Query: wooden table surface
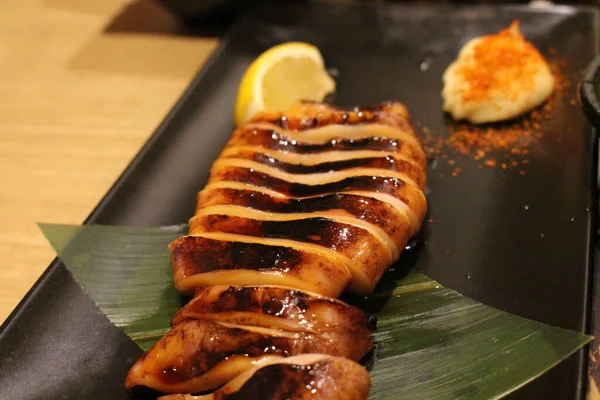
[83, 84]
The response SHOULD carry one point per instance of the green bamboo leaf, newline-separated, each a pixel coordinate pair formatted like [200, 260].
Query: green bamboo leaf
[431, 342]
[126, 271]
[435, 343]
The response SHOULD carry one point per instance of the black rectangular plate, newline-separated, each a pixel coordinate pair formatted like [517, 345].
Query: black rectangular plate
[57, 345]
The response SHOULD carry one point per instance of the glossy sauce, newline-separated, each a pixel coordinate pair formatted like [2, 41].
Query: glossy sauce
[389, 185]
[366, 208]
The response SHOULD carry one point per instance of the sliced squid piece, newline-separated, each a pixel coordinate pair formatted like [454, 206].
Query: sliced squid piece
[405, 199]
[150, 372]
[360, 252]
[335, 132]
[305, 165]
[323, 174]
[282, 141]
[315, 159]
[303, 377]
[365, 257]
[364, 271]
[309, 115]
[396, 218]
[335, 215]
[201, 355]
[275, 307]
[200, 261]
[343, 238]
[407, 196]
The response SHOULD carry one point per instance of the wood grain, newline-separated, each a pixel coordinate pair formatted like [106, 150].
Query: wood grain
[77, 101]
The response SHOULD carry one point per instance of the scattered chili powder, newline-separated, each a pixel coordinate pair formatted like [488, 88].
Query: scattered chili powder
[500, 144]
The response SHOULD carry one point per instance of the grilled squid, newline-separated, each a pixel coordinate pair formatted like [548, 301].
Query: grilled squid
[276, 307]
[299, 207]
[308, 376]
[317, 199]
[226, 330]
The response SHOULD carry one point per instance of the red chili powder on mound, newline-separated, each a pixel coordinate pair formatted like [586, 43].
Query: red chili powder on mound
[505, 145]
[500, 59]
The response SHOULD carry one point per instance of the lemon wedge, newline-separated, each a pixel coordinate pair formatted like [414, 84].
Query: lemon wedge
[281, 76]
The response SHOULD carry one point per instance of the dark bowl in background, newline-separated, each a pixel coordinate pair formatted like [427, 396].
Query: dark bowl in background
[219, 12]
[213, 12]
[190, 10]
[589, 92]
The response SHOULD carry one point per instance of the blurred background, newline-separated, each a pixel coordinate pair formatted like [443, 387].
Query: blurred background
[196, 12]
